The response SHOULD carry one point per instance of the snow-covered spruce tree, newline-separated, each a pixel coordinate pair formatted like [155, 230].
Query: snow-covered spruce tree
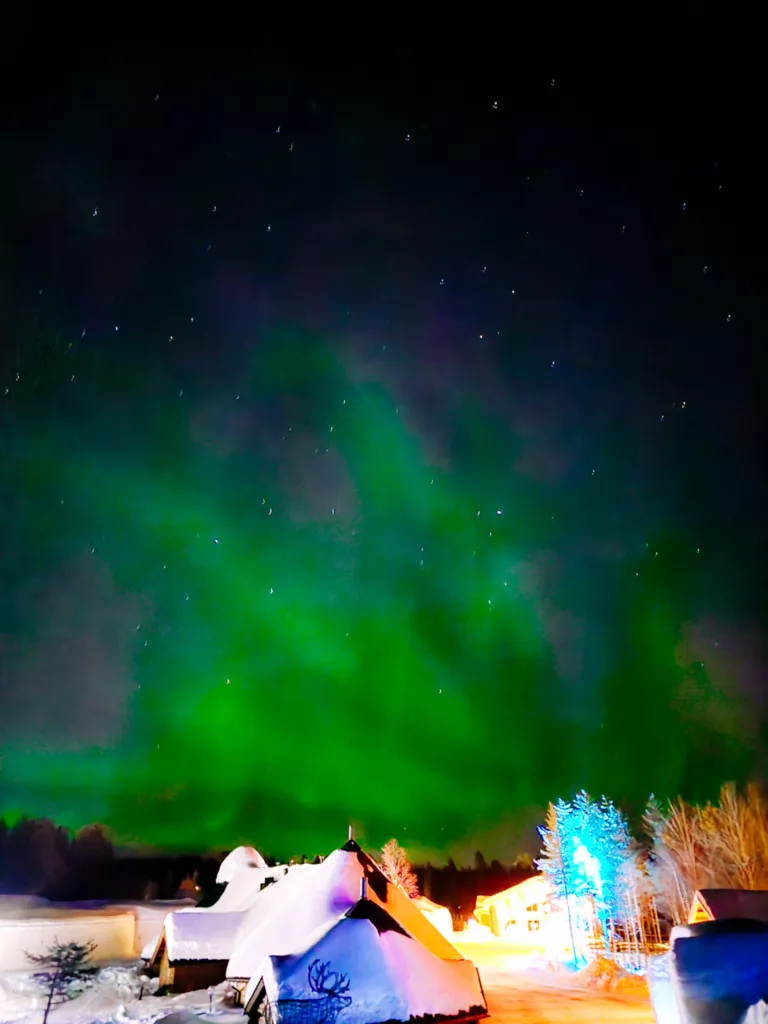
[588, 852]
[63, 972]
[397, 868]
[552, 863]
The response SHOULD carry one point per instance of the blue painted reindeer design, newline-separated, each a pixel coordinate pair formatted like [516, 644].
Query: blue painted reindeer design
[331, 998]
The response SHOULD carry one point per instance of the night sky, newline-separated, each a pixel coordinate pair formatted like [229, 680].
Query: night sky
[381, 415]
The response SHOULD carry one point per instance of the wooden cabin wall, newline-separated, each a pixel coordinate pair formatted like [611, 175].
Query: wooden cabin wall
[195, 974]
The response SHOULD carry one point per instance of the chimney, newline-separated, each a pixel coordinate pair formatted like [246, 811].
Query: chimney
[351, 835]
[363, 888]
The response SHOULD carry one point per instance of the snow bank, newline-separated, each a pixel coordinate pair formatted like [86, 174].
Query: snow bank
[661, 989]
[20, 996]
[120, 930]
[604, 975]
[114, 935]
[390, 976]
[439, 916]
[114, 999]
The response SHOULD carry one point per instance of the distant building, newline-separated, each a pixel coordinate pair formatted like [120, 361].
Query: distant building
[517, 911]
[739, 904]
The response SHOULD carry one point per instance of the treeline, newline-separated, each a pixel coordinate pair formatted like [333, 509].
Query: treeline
[40, 858]
[458, 887]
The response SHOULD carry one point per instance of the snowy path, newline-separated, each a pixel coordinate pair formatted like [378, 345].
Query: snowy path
[526, 999]
[519, 993]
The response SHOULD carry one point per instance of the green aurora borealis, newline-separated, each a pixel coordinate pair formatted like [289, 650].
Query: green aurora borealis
[362, 467]
[341, 629]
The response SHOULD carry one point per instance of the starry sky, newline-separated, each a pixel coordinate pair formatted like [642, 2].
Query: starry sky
[381, 423]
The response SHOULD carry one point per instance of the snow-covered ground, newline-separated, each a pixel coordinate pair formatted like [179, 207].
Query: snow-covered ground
[518, 986]
[114, 999]
[534, 998]
[521, 989]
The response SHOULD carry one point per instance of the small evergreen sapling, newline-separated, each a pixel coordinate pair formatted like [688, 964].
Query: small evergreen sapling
[63, 971]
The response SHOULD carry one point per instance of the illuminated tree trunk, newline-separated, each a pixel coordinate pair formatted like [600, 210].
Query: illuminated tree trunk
[565, 887]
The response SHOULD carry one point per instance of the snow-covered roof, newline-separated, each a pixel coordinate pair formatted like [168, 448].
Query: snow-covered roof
[378, 972]
[273, 914]
[240, 857]
[200, 935]
[192, 933]
[313, 896]
[530, 890]
[246, 887]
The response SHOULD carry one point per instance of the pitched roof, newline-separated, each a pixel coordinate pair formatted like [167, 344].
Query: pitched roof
[315, 896]
[529, 890]
[732, 903]
[378, 970]
[208, 933]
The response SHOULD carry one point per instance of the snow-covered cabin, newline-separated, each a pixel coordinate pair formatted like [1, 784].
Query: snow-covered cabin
[517, 911]
[716, 904]
[196, 943]
[368, 966]
[313, 897]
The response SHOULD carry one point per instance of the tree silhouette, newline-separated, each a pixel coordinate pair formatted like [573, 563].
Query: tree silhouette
[92, 862]
[63, 970]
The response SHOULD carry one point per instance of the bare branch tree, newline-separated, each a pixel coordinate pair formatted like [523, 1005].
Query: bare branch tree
[716, 846]
[397, 868]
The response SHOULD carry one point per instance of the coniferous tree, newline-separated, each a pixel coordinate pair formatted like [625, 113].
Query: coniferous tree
[63, 971]
[554, 865]
[588, 852]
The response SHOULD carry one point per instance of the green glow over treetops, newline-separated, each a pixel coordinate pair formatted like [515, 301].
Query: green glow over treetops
[260, 607]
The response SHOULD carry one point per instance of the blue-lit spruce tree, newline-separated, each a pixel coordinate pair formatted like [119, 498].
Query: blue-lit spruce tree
[557, 867]
[588, 852]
